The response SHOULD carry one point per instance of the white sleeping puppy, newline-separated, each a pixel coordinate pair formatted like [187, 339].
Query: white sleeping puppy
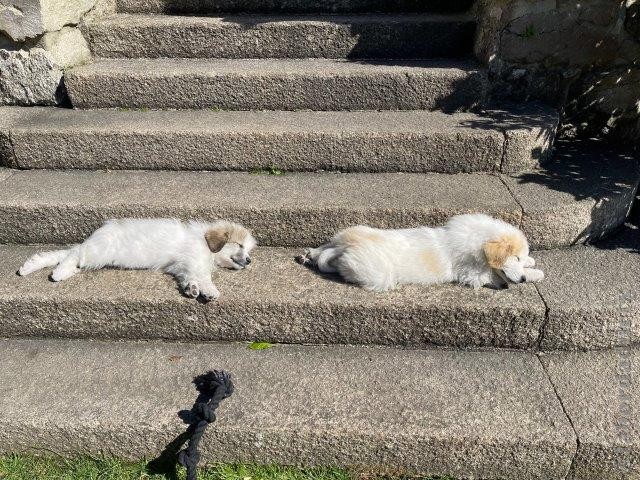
[473, 250]
[188, 251]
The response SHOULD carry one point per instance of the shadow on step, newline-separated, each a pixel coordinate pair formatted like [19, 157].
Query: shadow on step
[627, 237]
[203, 7]
[590, 170]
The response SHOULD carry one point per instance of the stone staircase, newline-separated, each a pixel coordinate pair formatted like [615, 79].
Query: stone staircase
[298, 118]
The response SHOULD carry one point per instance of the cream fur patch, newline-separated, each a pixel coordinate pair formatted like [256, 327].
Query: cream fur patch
[497, 251]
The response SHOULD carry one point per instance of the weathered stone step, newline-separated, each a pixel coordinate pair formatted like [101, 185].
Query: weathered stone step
[588, 300]
[576, 197]
[466, 414]
[276, 300]
[600, 393]
[290, 6]
[276, 84]
[251, 36]
[412, 141]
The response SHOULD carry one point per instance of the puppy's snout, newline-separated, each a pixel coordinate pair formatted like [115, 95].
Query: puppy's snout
[241, 260]
[522, 279]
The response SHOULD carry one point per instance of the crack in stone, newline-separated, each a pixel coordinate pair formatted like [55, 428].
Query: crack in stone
[514, 199]
[566, 413]
[545, 322]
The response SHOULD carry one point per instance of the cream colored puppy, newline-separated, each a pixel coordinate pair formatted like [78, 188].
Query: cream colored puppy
[188, 251]
[473, 250]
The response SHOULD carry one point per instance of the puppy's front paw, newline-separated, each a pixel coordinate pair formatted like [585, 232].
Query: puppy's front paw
[533, 275]
[210, 294]
[192, 290]
[529, 262]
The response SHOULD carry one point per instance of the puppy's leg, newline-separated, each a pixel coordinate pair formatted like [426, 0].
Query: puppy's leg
[200, 281]
[326, 259]
[67, 268]
[190, 288]
[42, 260]
[322, 258]
[195, 279]
[208, 291]
[529, 262]
[185, 278]
[310, 256]
[533, 275]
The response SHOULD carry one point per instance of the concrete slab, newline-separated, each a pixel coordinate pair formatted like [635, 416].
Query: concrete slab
[366, 141]
[290, 6]
[592, 295]
[277, 84]
[276, 300]
[269, 36]
[467, 414]
[583, 193]
[41, 206]
[600, 392]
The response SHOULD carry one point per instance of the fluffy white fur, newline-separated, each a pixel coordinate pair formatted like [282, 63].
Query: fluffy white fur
[188, 251]
[473, 250]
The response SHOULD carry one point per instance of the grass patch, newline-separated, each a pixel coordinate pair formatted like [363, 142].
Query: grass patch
[26, 467]
[267, 171]
[260, 346]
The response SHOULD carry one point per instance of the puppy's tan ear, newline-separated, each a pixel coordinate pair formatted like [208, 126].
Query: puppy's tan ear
[216, 238]
[497, 252]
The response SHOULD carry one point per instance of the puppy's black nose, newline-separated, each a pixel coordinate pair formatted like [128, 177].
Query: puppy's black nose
[523, 279]
[248, 260]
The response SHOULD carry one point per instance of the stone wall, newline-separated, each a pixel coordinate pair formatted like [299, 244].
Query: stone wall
[581, 56]
[38, 40]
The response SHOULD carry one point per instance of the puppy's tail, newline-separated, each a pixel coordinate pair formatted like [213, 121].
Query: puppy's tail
[43, 260]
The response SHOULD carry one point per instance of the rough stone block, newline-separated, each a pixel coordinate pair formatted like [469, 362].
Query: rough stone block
[29, 78]
[67, 46]
[22, 19]
[600, 392]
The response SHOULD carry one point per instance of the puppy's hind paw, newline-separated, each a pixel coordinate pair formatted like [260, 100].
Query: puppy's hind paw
[306, 259]
[303, 259]
[24, 270]
[59, 274]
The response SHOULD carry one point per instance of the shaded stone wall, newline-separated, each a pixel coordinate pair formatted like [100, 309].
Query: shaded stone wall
[581, 56]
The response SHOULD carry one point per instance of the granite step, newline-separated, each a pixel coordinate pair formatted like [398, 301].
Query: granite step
[587, 301]
[277, 84]
[576, 196]
[465, 414]
[276, 36]
[290, 6]
[507, 140]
